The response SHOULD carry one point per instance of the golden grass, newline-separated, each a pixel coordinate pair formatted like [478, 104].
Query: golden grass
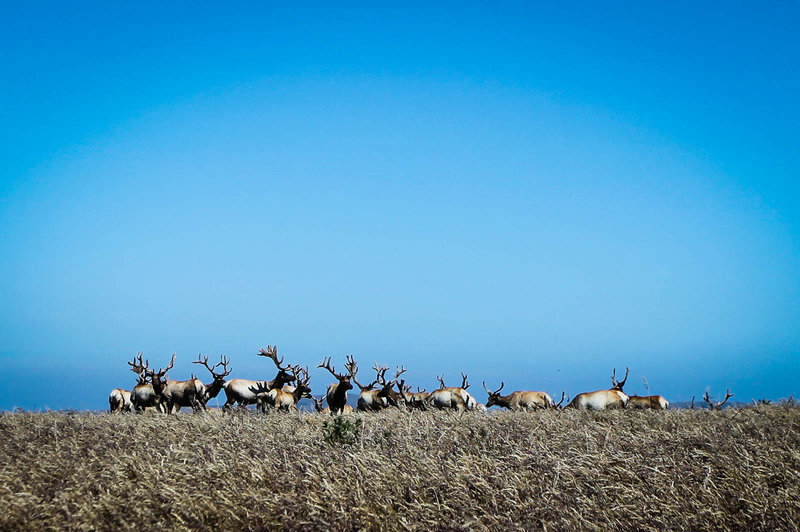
[562, 470]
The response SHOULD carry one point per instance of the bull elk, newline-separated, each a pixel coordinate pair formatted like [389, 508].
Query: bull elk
[286, 400]
[325, 410]
[603, 399]
[177, 394]
[373, 400]
[518, 400]
[337, 392]
[246, 392]
[456, 398]
[143, 395]
[213, 389]
[414, 400]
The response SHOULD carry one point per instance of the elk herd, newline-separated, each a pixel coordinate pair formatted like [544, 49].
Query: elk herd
[155, 391]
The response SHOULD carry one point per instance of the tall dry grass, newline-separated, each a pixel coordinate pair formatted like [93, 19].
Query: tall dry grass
[683, 469]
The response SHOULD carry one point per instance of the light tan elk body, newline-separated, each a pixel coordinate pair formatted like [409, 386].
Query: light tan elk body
[374, 400]
[337, 392]
[656, 402]
[213, 389]
[119, 400]
[456, 398]
[414, 400]
[284, 400]
[603, 399]
[177, 394]
[143, 396]
[246, 391]
[518, 400]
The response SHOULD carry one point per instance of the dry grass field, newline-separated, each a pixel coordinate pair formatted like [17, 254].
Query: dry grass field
[561, 470]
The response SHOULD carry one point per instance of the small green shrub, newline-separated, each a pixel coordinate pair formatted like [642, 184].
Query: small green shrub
[341, 431]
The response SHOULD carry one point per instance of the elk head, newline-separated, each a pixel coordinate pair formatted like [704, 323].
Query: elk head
[493, 396]
[159, 379]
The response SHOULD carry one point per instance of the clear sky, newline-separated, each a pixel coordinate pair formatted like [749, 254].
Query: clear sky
[532, 193]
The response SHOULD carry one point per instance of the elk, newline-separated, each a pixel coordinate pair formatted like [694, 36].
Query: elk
[287, 400]
[177, 394]
[603, 399]
[518, 400]
[457, 398]
[373, 400]
[337, 392]
[325, 410]
[245, 391]
[413, 400]
[213, 389]
[656, 402]
[143, 395]
[119, 400]
[717, 405]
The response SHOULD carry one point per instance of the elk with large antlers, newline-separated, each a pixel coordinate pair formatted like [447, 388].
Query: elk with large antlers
[518, 400]
[178, 394]
[246, 391]
[286, 400]
[373, 400]
[456, 398]
[213, 389]
[603, 399]
[718, 405]
[143, 395]
[337, 392]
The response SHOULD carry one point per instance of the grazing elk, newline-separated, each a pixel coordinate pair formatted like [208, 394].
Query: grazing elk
[318, 405]
[337, 392]
[718, 405]
[213, 389]
[603, 399]
[285, 400]
[456, 398]
[245, 392]
[143, 395]
[119, 400]
[518, 400]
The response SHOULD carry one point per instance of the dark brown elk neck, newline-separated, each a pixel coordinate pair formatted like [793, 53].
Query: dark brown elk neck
[213, 389]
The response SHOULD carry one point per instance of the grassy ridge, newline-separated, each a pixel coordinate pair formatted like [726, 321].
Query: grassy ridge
[737, 468]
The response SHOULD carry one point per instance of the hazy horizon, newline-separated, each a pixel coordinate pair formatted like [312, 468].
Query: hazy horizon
[529, 194]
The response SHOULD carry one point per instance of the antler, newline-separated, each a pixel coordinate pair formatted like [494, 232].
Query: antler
[563, 395]
[139, 367]
[619, 385]
[162, 372]
[718, 405]
[400, 371]
[272, 352]
[440, 378]
[351, 366]
[223, 362]
[496, 391]
[464, 383]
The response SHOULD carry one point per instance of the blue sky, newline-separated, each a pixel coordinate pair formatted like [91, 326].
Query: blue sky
[529, 193]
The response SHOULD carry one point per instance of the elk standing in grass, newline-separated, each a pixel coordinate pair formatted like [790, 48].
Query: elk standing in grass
[603, 399]
[414, 400]
[456, 398]
[119, 400]
[287, 400]
[177, 394]
[213, 389]
[143, 395]
[373, 400]
[518, 400]
[337, 392]
[246, 392]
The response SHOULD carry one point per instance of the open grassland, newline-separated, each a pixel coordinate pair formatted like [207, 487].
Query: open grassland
[681, 469]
